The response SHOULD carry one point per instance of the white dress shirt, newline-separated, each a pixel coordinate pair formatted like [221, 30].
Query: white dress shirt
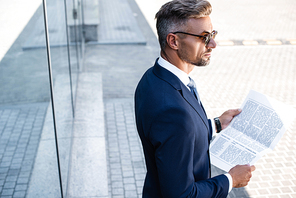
[184, 78]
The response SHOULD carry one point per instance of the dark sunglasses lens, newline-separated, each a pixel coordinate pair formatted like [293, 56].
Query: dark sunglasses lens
[208, 38]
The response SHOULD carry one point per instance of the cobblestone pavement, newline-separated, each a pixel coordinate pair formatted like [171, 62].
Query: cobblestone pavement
[20, 131]
[126, 160]
[234, 70]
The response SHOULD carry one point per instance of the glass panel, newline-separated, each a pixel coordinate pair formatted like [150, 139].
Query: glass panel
[28, 163]
[65, 58]
[28, 158]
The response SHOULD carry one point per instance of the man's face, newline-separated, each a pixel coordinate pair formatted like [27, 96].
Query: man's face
[192, 49]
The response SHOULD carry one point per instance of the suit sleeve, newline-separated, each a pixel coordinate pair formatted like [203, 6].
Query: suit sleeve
[174, 140]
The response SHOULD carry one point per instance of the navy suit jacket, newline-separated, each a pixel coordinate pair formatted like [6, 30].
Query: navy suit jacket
[175, 135]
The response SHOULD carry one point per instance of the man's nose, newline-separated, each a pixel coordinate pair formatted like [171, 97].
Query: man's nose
[212, 44]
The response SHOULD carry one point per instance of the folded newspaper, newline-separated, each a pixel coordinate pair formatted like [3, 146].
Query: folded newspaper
[251, 134]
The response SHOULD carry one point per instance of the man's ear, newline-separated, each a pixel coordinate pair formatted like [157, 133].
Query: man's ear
[172, 41]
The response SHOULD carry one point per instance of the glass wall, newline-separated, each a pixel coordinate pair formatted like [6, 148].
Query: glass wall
[35, 106]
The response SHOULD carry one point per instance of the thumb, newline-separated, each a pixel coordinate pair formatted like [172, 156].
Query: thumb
[253, 168]
[236, 111]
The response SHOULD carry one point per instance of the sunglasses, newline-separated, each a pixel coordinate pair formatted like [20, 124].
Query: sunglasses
[206, 38]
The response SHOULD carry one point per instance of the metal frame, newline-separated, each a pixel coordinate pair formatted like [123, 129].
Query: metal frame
[51, 91]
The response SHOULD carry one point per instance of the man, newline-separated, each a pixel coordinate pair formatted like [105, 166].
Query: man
[171, 122]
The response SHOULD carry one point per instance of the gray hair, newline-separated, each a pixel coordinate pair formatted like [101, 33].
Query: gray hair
[174, 15]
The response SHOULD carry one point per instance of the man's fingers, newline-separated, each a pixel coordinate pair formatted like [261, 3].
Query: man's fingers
[253, 168]
[236, 111]
[241, 174]
[232, 112]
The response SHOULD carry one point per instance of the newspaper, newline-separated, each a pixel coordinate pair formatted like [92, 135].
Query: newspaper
[251, 134]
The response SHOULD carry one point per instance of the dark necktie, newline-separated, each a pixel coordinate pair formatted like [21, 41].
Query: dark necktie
[193, 90]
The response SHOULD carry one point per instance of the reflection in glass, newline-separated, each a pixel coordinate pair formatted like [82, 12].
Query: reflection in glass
[24, 101]
[65, 70]
[27, 147]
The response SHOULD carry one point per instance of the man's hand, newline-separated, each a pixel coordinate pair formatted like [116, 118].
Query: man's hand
[241, 175]
[227, 116]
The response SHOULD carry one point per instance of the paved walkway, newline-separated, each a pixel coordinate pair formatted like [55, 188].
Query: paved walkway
[224, 84]
[118, 24]
[126, 164]
[20, 131]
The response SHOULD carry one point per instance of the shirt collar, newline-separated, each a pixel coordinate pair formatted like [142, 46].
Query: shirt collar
[183, 76]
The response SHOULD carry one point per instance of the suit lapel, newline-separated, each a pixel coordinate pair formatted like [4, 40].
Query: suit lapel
[179, 86]
[189, 97]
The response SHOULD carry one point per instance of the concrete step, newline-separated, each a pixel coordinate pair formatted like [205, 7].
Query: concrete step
[82, 152]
